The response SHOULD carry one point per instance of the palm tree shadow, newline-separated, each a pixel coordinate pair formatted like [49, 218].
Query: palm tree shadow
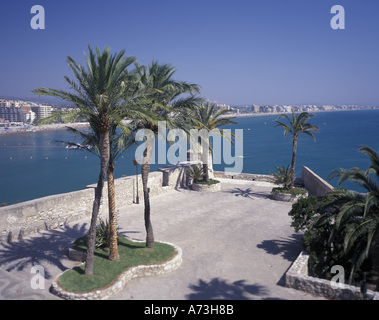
[219, 289]
[49, 247]
[247, 193]
[288, 248]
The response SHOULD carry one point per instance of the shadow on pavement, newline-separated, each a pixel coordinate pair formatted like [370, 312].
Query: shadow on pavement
[48, 246]
[248, 193]
[288, 248]
[219, 289]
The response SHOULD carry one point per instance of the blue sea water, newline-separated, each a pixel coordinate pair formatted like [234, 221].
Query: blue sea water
[341, 134]
[33, 165]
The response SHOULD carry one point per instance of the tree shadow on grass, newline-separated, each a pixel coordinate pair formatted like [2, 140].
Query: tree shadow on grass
[219, 289]
[247, 193]
[48, 246]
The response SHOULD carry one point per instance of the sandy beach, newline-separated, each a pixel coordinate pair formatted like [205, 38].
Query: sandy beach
[45, 127]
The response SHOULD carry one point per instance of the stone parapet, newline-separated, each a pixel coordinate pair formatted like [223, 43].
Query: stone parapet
[244, 176]
[23, 219]
[297, 278]
[314, 184]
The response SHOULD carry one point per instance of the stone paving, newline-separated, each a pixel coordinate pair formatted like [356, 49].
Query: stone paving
[237, 244]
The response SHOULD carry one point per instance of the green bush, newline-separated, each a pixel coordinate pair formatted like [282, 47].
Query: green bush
[103, 234]
[304, 213]
[283, 177]
[196, 173]
[320, 241]
[211, 181]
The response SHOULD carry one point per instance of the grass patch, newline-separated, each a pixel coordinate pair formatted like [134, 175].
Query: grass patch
[293, 191]
[106, 271]
[211, 181]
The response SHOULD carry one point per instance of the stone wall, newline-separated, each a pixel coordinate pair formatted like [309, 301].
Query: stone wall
[28, 217]
[297, 278]
[243, 176]
[314, 184]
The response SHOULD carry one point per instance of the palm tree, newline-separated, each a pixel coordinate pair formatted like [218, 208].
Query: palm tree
[283, 177]
[120, 141]
[357, 215]
[102, 92]
[207, 117]
[296, 126]
[167, 102]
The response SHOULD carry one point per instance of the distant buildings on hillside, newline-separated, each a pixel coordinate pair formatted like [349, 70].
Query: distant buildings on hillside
[14, 112]
[18, 113]
[255, 108]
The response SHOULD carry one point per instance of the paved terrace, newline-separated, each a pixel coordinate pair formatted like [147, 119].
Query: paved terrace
[237, 244]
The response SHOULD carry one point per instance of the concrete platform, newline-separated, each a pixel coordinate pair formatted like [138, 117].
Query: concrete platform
[237, 244]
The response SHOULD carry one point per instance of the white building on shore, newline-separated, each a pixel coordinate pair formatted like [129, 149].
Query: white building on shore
[20, 111]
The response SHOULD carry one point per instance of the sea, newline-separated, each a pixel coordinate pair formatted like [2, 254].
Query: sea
[37, 164]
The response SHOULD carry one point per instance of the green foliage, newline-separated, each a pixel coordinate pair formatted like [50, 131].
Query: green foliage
[343, 227]
[283, 177]
[103, 234]
[105, 271]
[324, 251]
[102, 237]
[303, 213]
[296, 125]
[196, 173]
[211, 181]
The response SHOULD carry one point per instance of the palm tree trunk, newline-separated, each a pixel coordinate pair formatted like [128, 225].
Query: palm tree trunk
[145, 168]
[113, 246]
[206, 172]
[293, 162]
[104, 160]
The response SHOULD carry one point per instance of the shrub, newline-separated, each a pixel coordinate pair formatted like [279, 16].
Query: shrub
[103, 234]
[320, 241]
[196, 173]
[102, 237]
[283, 177]
[303, 213]
[211, 181]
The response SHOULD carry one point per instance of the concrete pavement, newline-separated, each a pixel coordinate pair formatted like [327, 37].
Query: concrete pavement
[237, 244]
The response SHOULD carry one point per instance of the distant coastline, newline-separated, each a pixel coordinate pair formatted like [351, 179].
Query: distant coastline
[60, 126]
[259, 114]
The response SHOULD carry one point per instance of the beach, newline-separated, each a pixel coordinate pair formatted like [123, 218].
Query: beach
[44, 127]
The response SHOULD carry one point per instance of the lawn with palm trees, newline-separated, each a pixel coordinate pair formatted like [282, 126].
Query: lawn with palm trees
[107, 90]
[111, 88]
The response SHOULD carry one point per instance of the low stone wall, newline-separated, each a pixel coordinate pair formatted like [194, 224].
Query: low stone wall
[122, 279]
[314, 184]
[206, 187]
[29, 217]
[297, 278]
[243, 176]
[287, 197]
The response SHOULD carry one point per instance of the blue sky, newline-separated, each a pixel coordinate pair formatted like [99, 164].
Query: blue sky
[240, 52]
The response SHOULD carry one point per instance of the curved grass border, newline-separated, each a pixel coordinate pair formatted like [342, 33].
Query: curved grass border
[119, 283]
